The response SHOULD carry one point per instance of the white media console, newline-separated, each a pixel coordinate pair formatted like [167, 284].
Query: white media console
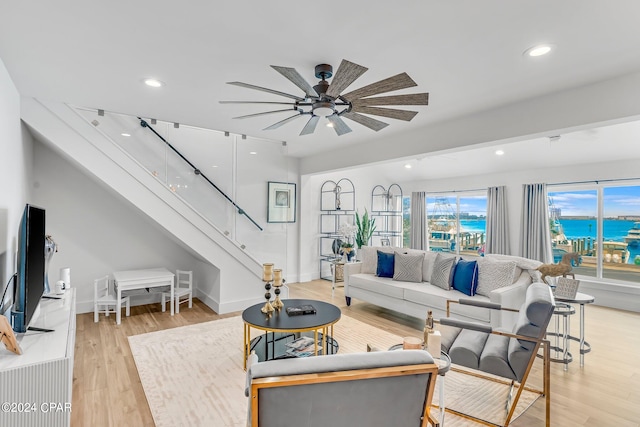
[35, 387]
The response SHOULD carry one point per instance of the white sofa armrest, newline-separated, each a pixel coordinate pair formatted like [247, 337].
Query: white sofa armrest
[511, 296]
[349, 269]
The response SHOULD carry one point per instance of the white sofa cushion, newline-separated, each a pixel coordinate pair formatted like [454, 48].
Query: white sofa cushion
[408, 267]
[427, 265]
[493, 274]
[380, 285]
[433, 296]
[369, 257]
[523, 263]
[526, 264]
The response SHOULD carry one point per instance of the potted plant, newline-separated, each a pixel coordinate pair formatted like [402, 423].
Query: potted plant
[365, 228]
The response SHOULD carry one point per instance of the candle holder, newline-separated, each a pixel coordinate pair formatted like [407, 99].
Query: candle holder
[268, 308]
[278, 282]
[267, 277]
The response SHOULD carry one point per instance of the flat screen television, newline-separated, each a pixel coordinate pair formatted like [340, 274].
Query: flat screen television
[29, 286]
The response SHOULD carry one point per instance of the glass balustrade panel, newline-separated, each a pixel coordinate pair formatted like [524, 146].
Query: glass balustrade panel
[240, 167]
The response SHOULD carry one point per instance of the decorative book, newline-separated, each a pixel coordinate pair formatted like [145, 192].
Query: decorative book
[302, 347]
[566, 288]
[301, 309]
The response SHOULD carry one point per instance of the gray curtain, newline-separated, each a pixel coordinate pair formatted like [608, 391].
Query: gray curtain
[497, 222]
[535, 235]
[418, 220]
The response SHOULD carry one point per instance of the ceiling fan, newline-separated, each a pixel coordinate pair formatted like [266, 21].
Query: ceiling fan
[326, 99]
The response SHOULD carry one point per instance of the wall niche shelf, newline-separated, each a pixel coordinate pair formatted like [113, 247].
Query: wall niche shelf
[386, 208]
[337, 208]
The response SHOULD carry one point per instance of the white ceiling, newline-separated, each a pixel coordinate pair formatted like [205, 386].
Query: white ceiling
[467, 54]
[602, 144]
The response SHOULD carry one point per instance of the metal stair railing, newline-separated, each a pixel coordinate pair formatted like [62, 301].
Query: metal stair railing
[197, 171]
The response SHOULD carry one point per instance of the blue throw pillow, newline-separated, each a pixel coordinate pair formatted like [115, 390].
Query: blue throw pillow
[385, 265]
[465, 277]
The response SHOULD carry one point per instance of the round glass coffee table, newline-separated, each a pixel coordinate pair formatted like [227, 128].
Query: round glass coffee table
[281, 329]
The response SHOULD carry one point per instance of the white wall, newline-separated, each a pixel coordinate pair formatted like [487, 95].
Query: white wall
[364, 179]
[96, 230]
[16, 149]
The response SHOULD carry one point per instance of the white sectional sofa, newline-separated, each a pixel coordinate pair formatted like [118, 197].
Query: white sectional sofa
[507, 288]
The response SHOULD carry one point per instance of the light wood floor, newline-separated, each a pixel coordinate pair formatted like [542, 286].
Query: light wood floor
[605, 392]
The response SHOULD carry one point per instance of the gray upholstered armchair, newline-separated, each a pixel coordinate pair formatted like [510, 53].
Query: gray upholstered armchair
[506, 353]
[381, 389]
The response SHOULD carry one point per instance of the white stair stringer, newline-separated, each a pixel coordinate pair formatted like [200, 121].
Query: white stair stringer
[82, 143]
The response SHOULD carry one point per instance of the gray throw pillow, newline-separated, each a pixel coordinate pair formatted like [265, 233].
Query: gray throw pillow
[441, 273]
[408, 267]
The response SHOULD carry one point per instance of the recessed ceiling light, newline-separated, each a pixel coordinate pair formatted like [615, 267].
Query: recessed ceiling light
[125, 134]
[214, 166]
[253, 152]
[499, 152]
[329, 125]
[538, 50]
[408, 166]
[153, 82]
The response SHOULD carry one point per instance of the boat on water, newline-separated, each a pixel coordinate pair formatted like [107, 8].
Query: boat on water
[442, 225]
[445, 233]
[633, 235]
[614, 252]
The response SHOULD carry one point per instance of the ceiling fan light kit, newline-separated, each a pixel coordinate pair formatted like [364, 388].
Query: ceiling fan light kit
[325, 99]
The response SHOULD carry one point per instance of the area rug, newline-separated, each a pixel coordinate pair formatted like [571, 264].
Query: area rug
[193, 375]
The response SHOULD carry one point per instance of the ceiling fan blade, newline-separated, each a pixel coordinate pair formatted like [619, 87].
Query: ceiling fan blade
[263, 113]
[400, 81]
[264, 89]
[338, 124]
[294, 77]
[347, 73]
[310, 127]
[365, 121]
[412, 99]
[282, 122]
[386, 112]
[257, 102]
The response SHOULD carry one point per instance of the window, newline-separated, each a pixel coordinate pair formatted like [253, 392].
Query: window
[457, 223]
[573, 225]
[576, 226]
[406, 222]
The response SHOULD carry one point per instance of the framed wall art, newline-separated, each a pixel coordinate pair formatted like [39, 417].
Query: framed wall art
[282, 202]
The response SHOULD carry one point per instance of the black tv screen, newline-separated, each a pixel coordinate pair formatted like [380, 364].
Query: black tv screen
[31, 265]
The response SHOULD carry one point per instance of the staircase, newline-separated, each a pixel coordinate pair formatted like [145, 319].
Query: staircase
[62, 127]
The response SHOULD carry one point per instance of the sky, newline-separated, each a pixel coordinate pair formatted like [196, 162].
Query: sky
[473, 205]
[618, 201]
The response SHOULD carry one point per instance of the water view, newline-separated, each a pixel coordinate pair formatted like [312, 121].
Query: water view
[614, 230]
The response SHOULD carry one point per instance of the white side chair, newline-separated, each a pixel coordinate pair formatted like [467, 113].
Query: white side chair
[182, 289]
[105, 301]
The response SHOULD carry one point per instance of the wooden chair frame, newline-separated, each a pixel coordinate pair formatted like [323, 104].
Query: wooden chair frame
[546, 371]
[258, 384]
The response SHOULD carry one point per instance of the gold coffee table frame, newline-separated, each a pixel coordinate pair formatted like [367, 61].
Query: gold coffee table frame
[326, 316]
